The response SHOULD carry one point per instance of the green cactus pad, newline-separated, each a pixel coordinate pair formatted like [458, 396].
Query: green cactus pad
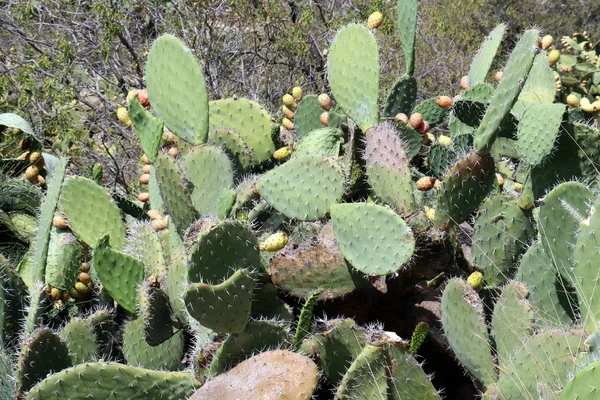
[366, 378]
[515, 73]
[464, 187]
[138, 352]
[43, 353]
[406, 14]
[431, 112]
[440, 158]
[156, 202]
[64, 259]
[584, 385]
[156, 314]
[103, 380]
[148, 129]
[413, 141]
[307, 116]
[408, 380]
[547, 292]
[224, 307]
[266, 304]
[174, 192]
[304, 187]
[538, 130]
[299, 270]
[80, 340]
[257, 336]
[387, 169]
[541, 367]
[374, 239]
[485, 55]
[501, 233]
[324, 141]
[251, 126]
[227, 200]
[177, 90]
[463, 321]
[11, 120]
[353, 72]
[402, 97]
[209, 171]
[271, 375]
[586, 271]
[469, 112]
[512, 321]
[144, 243]
[221, 250]
[561, 212]
[91, 212]
[481, 92]
[119, 273]
[175, 285]
[539, 88]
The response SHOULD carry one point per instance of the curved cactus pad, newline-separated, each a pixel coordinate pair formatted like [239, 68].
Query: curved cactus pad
[353, 71]
[278, 374]
[91, 212]
[224, 307]
[374, 239]
[366, 378]
[485, 56]
[102, 380]
[148, 128]
[177, 90]
[305, 187]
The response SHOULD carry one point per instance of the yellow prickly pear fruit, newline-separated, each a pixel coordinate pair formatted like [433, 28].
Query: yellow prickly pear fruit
[498, 76]
[444, 102]
[464, 82]
[59, 222]
[517, 187]
[31, 173]
[425, 183]
[500, 180]
[282, 153]
[36, 159]
[288, 100]
[54, 293]
[475, 280]
[275, 242]
[445, 140]
[553, 57]
[287, 112]
[573, 100]
[324, 101]
[153, 214]
[375, 20]
[130, 95]
[437, 185]
[123, 116]
[547, 42]
[586, 105]
[297, 93]
[429, 213]
[287, 124]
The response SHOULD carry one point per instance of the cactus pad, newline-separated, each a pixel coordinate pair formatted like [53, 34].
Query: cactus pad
[402, 97]
[538, 130]
[366, 378]
[80, 340]
[148, 129]
[406, 14]
[485, 56]
[64, 259]
[307, 116]
[324, 141]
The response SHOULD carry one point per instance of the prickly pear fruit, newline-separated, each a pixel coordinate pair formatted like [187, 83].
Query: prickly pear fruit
[160, 224]
[445, 140]
[517, 187]
[173, 152]
[324, 118]
[287, 124]
[145, 160]
[500, 180]
[123, 116]
[553, 57]
[475, 280]
[144, 179]
[288, 100]
[275, 242]
[287, 112]
[297, 93]
[573, 100]
[424, 128]
[59, 222]
[464, 82]
[416, 120]
[375, 20]
[31, 173]
[498, 76]
[324, 101]
[444, 102]
[401, 117]
[130, 95]
[425, 183]
[547, 42]
[142, 96]
[153, 214]
[144, 197]
[586, 105]
[36, 159]
[282, 153]
[146, 169]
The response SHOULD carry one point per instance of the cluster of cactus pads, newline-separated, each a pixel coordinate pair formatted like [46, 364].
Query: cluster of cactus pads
[187, 303]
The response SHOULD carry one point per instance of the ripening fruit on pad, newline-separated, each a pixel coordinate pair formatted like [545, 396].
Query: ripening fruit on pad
[374, 239]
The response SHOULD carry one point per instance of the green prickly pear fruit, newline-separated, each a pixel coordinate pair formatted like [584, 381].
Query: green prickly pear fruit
[282, 153]
[297, 93]
[547, 42]
[375, 20]
[553, 57]
[288, 100]
[324, 101]
[475, 280]
[444, 102]
[275, 242]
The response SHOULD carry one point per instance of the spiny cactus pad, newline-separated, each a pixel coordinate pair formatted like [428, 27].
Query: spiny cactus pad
[463, 320]
[249, 123]
[209, 170]
[353, 72]
[431, 112]
[374, 239]
[64, 259]
[148, 129]
[271, 375]
[306, 118]
[224, 307]
[538, 130]
[366, 378]
[119, 273]
[105, 380]
[584, 385]
[324, 141]
[177, 89]
[402, 97]
[95, 217]
[485, 55]
[304, 187]
[406, 14]
[539, 88]
[515, 73]
[156, 314]
[80, 340]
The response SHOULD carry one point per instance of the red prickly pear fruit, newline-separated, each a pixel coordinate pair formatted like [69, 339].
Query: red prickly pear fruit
[416, 120]
[324, 101]
[324, 118]
[424, 128]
